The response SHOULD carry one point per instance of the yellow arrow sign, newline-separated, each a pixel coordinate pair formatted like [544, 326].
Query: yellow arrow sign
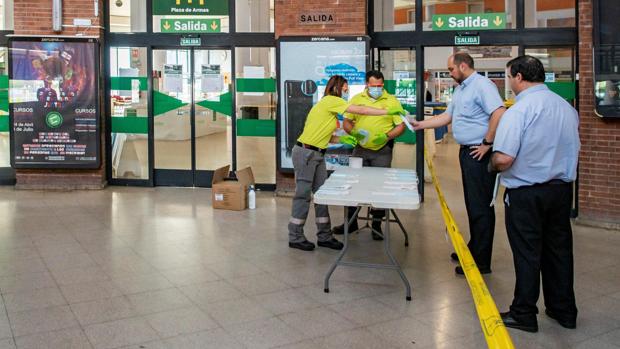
[214, 25]
[166, 25]
[498, 21]
[439, 22]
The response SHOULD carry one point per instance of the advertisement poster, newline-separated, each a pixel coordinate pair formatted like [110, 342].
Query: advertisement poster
[54, 103]
[306, 64]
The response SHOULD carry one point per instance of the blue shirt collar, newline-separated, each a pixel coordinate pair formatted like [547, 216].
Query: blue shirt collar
[470, 79]
[533, 89]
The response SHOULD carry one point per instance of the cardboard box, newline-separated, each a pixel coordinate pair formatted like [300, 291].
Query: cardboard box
[231, 194]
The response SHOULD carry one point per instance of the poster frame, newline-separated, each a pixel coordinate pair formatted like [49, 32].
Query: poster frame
[280, 93]
[96, 65]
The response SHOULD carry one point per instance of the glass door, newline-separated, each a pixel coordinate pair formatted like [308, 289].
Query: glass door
[192, 105]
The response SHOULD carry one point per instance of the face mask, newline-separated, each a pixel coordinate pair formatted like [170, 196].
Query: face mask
[345, 95]
[375, 92]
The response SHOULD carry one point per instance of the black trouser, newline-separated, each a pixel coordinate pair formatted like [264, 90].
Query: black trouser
[373, 158]
[540, 235]
[478, 186]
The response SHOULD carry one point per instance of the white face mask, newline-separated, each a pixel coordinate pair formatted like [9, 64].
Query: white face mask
[345, 95]
[375, 91]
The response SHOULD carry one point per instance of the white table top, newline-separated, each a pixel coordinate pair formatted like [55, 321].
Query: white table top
[378, 187]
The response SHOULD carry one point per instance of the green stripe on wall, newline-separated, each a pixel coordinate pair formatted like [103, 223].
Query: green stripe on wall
[124, 83]
[4, 123]
[4, 100]
[390, 86]
[4, 81]
[256, 128]
[133, 124]
[256, 85]
[565, 89]
[408, 137]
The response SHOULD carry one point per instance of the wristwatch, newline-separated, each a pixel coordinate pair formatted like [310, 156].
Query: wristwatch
[485, 142]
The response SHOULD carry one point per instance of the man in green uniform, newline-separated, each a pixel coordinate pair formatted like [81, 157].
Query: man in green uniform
[375, 137]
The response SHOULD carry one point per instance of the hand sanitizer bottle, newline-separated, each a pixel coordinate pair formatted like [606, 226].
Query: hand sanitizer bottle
[252, 198]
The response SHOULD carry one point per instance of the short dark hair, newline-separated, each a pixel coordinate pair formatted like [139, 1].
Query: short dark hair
[531, 68]
[463, 57]
[374, 74]
[334, 86]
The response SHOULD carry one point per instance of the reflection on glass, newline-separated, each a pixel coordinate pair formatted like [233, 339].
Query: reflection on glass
[607, 93]
[254, 16]
[256, 108]
[472, 7]
[129, 107]
[127, 16]
[394, 15]
[213, 103]
[398, 68]
[6, 15]
[549, 13]
[559, 66]
[172, 109]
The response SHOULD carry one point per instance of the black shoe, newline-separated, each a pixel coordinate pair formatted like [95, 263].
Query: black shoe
[511, 322]
[333, 244]
[571, 324]
[339, 230]
[377, 226]
[454, 256]
[304, 245]
[459, 270]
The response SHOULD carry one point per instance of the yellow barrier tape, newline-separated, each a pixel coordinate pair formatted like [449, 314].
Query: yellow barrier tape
[492, 325]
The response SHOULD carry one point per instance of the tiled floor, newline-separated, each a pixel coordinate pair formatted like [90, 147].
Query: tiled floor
[158, 268]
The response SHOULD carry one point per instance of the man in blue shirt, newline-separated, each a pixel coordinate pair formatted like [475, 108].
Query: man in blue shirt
[536, 148]
[474, 112]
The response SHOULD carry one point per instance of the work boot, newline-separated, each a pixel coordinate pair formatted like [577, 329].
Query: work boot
[339, 229]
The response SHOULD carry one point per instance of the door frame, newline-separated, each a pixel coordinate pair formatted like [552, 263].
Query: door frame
[192, 177]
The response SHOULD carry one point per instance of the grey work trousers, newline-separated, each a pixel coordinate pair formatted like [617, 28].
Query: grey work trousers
[310, 174]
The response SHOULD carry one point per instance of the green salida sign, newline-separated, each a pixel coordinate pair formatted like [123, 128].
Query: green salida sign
[190, 7]
[471, 21]
[183, 25]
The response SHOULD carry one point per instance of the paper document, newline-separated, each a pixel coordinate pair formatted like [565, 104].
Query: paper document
[495, 190]
[406, 121]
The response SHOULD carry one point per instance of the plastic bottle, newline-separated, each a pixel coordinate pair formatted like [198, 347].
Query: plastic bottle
[252, 198]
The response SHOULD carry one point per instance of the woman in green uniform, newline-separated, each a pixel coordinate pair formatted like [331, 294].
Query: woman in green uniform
[307, 156]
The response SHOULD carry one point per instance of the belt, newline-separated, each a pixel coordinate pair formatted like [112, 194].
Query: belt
[551, 182]
[311, 147]
[469, 146]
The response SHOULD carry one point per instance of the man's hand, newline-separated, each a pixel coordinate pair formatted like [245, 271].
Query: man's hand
[417, 125]
[380, 138]
[479, 151]
[396, 110]
[348, 139]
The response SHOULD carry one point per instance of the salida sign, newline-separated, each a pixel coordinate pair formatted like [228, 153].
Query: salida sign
[472, 21]
[317, 18]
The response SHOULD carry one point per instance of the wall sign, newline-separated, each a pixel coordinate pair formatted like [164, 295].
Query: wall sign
[467, 40]
[190, 41]
[196, 25]
[317, 18]
[471, 21]
[54, 100]
[190, 8]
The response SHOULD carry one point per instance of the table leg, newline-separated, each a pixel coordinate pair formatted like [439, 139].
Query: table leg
[400, 224]
[386, 244]
[347, 222]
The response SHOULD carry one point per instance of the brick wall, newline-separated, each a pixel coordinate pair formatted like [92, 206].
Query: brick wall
[350, 17]
[599, 161]
[35, 18]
